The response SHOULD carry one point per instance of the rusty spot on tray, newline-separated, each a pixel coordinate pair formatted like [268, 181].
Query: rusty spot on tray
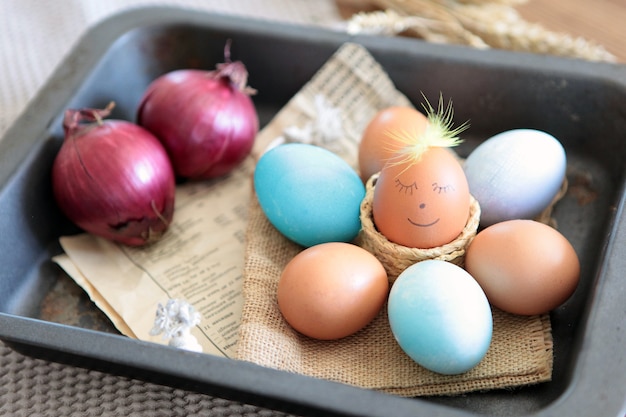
[67, 303]
[581, 188]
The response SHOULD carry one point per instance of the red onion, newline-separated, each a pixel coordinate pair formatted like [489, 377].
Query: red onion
[205, 119]
[113, 178]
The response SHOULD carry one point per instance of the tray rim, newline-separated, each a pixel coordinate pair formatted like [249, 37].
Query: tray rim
[233, 380]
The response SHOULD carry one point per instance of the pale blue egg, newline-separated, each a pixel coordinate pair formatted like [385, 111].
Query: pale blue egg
[515, 174]
[309, 194]
[440, 317]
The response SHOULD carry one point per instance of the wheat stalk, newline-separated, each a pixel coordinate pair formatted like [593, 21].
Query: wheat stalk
[436, 23]
[502, 27]
[477, 23]
[480, 2]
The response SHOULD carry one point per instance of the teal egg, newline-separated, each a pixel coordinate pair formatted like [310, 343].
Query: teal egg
[440, 317]
[309, 194]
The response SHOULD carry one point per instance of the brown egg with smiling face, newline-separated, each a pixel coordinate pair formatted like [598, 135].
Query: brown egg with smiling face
[422, 202]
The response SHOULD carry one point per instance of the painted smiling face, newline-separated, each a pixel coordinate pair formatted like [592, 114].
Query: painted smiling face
[422, 204]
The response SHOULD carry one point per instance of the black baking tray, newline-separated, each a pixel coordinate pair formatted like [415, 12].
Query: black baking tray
[581, 103]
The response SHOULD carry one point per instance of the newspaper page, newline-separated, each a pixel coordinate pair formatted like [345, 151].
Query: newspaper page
[199, 260]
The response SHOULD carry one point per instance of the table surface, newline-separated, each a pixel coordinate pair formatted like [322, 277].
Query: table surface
[601, 21]
[40, 387]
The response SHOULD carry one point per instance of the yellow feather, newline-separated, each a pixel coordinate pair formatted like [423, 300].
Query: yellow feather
[438, 133]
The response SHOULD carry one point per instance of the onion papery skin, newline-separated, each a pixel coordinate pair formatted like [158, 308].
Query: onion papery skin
[114, 180]
[206, 122]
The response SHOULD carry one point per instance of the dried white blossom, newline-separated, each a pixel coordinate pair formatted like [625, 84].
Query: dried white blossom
[324, 130]
[175, 321]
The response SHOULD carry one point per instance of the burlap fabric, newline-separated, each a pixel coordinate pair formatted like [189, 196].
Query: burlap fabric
[521, 348]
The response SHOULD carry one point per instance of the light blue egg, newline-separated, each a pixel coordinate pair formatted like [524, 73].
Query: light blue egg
[515, 174]
[440, 317]
[309, 194]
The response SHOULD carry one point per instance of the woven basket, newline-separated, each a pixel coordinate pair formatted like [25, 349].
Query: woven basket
[396, 258]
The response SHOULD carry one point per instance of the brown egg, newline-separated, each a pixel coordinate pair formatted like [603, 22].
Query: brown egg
[332, 290]
[378, 144]
[524, 267]
[423, 204]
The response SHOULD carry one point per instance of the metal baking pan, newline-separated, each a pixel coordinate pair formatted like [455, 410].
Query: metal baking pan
[583, 104]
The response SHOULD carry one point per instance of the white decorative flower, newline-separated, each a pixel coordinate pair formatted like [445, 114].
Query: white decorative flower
[175, 320]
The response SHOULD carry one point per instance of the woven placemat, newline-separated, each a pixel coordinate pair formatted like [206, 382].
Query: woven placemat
[34, 387]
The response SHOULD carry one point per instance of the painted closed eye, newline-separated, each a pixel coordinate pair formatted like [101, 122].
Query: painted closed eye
[406, 189]
[442, 189]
